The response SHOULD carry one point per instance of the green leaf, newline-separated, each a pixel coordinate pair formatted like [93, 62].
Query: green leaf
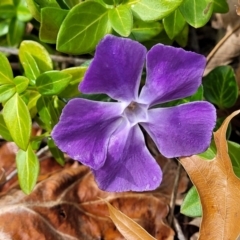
[77, 74]
[234, 153]
[6, 91]
[150, 10]
[52, 83]
[16, 31]
[35, 59]
[197, 13]
[121, 20]
[174, 24]
[47, 112]
[71, 3]
[21, 83]
[220, 87]
[6, 74]
[143, 31]
[34, 9]
[220, 6]
[4, 26]
[7, 11]
[191, 205]
[47, 3]
[182, 37]
[18, 121]
[83, 36]
[23, 13]
[51, 20]
[28, 169]
[33, 97]
[4, 130]
[57, 154]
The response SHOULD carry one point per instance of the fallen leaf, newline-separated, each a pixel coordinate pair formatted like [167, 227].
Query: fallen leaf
[127, 227]
[218, 188]
[66, 206]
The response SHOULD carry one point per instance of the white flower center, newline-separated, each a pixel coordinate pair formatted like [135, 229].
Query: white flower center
[136, 113]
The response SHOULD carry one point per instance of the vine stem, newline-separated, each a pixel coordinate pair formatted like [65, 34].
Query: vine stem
[55, 58]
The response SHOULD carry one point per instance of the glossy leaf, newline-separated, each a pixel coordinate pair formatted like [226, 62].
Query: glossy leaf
[52, 82]
[182, 37]
[220, 6]
[126, 226]
[220, 87]
[77, 74]
[7, 11]
[34, 9]
[18, 121]
[197, 13]
[51, 20]
[28, 169]
[4, 132]
[174, 24]
[6, 74]
[21, 83]
[6, 91]
[35, 59]
[47, 112]
[33, 98]
[150, 10]
[143, 31]
[4, 26]
[191, 205]
[16, 31]
[82, 36]
[57, 154]
[234, 153]
[23, 13]
[121, 20]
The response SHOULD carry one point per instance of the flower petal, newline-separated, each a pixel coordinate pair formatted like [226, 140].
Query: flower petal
[84, 130]
[183, 130]
[116, 69]
[129, 165]
[172, 73]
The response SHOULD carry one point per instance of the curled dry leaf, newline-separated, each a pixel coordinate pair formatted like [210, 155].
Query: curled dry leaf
[218, 188]
[127, 227]
[66, 206]
[228, 47]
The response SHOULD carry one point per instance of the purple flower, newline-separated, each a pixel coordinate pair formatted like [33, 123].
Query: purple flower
[106, 136]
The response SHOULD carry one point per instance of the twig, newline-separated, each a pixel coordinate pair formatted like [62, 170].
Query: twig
[178, 229]
[55, 58]
[221, 42]
[174, 193]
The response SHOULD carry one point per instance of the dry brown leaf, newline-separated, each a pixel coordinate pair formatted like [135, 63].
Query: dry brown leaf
[127, 227]
[218, 188]
[229, 46]
[67, 206]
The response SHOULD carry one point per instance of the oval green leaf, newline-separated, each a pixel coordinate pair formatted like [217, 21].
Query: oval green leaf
[121, 20]
[191, 205]
[57, 154]
[35, 59]
[28, 169]
[150, 10]
[174, 24]
[7, 91]
[18, 121]
[6, 74]
[197, 13]
[21, 83]
[143, 31]
[52, 83]
[220, 87]
[4, 132]
[51, 20]
[82, 29]
[15, 33]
